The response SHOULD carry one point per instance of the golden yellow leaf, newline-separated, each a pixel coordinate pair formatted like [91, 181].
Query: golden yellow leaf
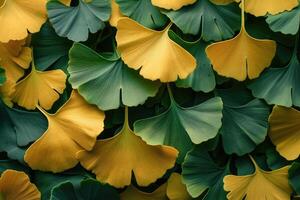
[40, 88]
[273, 7]
[14, 58]
[153, 51]
[114, 159]
[222, 2]
[172, 4]
[242, 56]
[176, 190]
[18, 16]
[285, 131]
[259, 185]
[6, 92]
[15, 185]
[66, 2]
[75, 126]
[116, 13]
[132, 193]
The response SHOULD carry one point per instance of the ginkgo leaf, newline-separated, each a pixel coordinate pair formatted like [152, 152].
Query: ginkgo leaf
[246, 136]
[89, 189]
[261, 184]
[284, 131]
[75, 126]
[181, 127]
[20, 16]
[133, 193]
[203, 78]
[19, 128]
[143, 12]
[214, 22]
[14, 58]
[241, 57]
[49, 48]
[141, 47]
[40, 88]
[172, 4]
[107, 82]
[116, 13]
[286, 22]
[113, 160]
[284, 79]
[15, 185]
[201, 173]
[76, 22]
[66, 2]
[176, 190]
[263, 7]
[222, 2]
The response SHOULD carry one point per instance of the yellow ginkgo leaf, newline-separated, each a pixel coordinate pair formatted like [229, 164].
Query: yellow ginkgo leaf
[66, 2]
[285, 131]
[40, 88]
[116, 13]
[241, 57]
[132, 193]
[259, 185]
[153, 51]
[176, 190]
[15, 185]
[17, 17]
[172, 4]
[75, 126]
[222, 2]
[6, 92]
[273, 7]
[14, 58]
[114, 159]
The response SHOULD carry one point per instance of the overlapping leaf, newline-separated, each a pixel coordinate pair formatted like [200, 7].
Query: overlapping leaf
[107, 82]
[212, 21]
[76, 22]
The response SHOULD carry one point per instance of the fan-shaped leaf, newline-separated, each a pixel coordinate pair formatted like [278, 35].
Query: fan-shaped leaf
[143, 12]
[201, 173]
[18, 16]
[286, 22]
[180, 127]
[141, 47]
[15, 185]
[40, 88]
[75, 126]
[107, 82]
[116, 13]
[133, 193]
[267, 184]
[76, 22]
[214, 22]
[109, 159]
[172, 4]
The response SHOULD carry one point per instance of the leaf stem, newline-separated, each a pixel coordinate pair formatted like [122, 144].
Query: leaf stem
[126, 121]
[243, 14]
[254, 163]
[170, 93]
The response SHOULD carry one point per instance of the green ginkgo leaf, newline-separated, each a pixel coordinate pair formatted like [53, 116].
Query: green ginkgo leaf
[201, 173]
[294, 177]
[181, 127]
[89, 189]
[47, 181]
[279, 86]
[2, 76]
[286, 22]
[19, 128]
[274, 159]
[12, 164]
[143, 12]
[245, 125]
[76, 22]
[107, 82]
[203, 77]
[214, 22]
[49, 48]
